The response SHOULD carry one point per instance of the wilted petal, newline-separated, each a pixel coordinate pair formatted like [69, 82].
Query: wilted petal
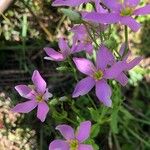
[83, 86]
[39, 82]
[66, 131]
[85, 147]
[104, 57]
[131, 23]
[132, 3]
[53, 55]
[84, 65]
[42, 111]
[115, 70]
[122, 79]
[25, 107]
[59, 145]
[133, 63]
[114, 5]
[23, 90]
[103, 92]
[143, 10]
[103, 18]
[122, 49]
[83, 132]
[47, 95]
[72, 3]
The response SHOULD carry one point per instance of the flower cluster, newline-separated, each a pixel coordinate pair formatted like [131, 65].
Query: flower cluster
[106, 67]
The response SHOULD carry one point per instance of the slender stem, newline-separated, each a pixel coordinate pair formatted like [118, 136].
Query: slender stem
[91, 101]
[126, 40]
[41, 138]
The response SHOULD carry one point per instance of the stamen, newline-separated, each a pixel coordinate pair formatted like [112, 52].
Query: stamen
[98, 75]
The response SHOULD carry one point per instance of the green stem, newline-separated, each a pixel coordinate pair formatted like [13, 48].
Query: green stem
[91, 101]
[126, 40]
[41, 138]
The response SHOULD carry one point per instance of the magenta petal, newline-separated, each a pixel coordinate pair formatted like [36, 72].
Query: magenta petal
[83, 132]
[115, 70]
[84, 65]
[122, 49]
[66, 131]
[114, 5]
[85, 147]
[25, 107]
[104, 57]
[63, 45]
[39, 82]
[122, 79]
[53, 55]
[72, 3]
[103, 18]
[143, 10]
[132, 3]
[133, 63]
[42, 111]
[83, 86]
[59, 145]
[103, 92]
[23, 90]
[131, 23]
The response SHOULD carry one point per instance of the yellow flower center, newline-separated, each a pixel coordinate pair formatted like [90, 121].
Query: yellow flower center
[98, 75]
[73, 144]
[39, 98]
[128, 11]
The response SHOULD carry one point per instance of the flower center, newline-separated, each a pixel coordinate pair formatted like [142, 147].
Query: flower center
[39, 98]
[73, 144]
[128, 11]
[98, 75]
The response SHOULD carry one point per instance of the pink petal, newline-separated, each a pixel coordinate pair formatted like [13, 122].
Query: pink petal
[132, 3]
[83, 132]
[84, 65]
[39, 82]
[104, 57]
[115, 70]
[122, 49]
[66, 131]
[131, 23]
[143, 10]
[103, 18]
[114, 5]
[53, 55]
[25, 107]
[85, 147]
[42, 111]
[64, 47]
[59, 145]
[23, 90]
[122, 79]
[72, 3]
[83, 86]
[103, 92]
[133, 63]
[47, 95]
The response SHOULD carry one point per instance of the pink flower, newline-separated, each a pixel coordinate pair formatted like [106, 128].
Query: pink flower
[65, 50]
[121, 12]
[37, 96]
[98, 75]
[73, 140]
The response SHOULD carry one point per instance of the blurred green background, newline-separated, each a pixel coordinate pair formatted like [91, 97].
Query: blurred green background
[27, 26]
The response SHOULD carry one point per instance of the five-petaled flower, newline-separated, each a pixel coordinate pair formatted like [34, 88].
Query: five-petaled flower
[65, 50]
[121, 12]
[73, 140]
[98, 75]
[37, 96]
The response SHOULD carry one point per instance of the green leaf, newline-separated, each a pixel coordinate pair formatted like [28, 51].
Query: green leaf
[72, 15]
[94, 114]
[95, 130]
